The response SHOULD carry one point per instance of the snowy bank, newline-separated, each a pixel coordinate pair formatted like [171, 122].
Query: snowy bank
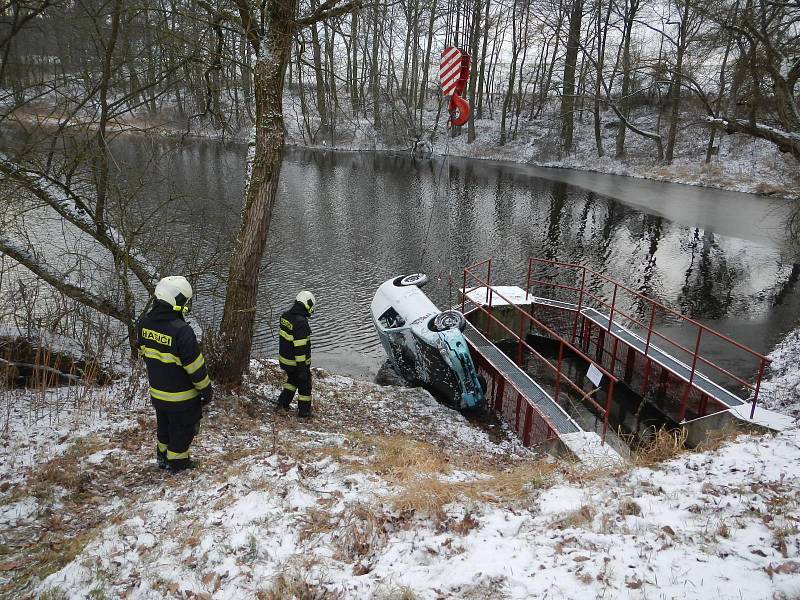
[385, 494]
[740, 163]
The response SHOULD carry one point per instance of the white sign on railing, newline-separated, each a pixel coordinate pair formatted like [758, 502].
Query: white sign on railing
[594, 375]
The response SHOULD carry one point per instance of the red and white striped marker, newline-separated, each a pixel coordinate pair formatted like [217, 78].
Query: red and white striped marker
[450, 69]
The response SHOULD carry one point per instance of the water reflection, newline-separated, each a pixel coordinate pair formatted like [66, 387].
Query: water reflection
[345, 222]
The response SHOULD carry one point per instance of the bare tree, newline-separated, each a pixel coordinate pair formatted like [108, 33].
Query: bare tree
[690, 20]
[628, 13]
[570, 62]
[65, 162]
[767, 32]
[270, 29]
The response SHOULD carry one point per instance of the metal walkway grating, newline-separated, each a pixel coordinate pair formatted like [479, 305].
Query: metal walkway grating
[559, 419]
[669, 362]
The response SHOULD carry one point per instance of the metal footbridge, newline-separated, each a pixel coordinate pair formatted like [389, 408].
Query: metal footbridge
[531, 391]
[664, 359]
[588, 347]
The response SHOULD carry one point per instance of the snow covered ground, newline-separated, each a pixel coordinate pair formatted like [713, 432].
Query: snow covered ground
[386, 494]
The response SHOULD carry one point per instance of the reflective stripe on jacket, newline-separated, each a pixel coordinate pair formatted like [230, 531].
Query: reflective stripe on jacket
[294, 344]
[175, 366]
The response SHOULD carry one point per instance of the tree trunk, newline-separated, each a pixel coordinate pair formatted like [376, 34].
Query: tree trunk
[264, 162]
[330, 82]
[511, 76]
[413, 83]
[308, 132]
[536, 79]
[354, 100]
[473, 48]
[363, 77]
[570, 61]
[494, 58]
[787, 142]
[677, 82]
[407, 50]
[322, 105]
[426, 65]
[521, 69]
[375, 75]
[720, 96]
[545, 89]
[482, 65]
[602, 35]
[632, 6]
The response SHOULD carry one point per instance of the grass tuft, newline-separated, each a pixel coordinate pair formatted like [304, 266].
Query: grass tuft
[664, 445]
[54, 593]
[401, 458]
[576, 519]
[315, 523]
[360, 534]
[394, 592]
[628, 506]
[429, 495]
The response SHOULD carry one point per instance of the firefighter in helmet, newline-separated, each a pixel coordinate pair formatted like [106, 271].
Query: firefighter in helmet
[295, 354]
[179, 384]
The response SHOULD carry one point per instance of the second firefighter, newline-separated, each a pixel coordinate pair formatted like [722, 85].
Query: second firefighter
[295, 354]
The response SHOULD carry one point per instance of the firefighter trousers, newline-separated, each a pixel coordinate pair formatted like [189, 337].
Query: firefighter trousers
[176, 430]
[298, 379]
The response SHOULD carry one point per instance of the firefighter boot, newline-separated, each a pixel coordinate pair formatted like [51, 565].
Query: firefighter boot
[177, 465]
[304, 407]
[285, 399]
[161, 455]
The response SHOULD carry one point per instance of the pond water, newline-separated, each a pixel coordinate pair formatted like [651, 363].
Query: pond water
[345, 222]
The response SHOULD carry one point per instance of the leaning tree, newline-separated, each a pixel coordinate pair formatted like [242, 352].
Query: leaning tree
[270, 28]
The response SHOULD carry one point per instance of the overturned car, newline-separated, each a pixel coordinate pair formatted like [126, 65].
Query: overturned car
[425, 345]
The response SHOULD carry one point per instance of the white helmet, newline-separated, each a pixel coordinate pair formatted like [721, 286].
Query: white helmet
[307, 299]
[176, 291]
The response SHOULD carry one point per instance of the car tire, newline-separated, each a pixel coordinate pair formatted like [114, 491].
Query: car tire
[449, 319]
[417, 279]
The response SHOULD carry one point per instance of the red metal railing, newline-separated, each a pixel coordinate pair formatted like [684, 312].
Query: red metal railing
[506, 398]
[585, 297]
[526, 318]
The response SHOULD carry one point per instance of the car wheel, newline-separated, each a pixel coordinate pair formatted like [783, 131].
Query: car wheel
[449, 319]
[417, 279]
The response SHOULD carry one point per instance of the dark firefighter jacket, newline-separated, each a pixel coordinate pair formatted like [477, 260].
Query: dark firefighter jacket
[295, 341]
[175, 366]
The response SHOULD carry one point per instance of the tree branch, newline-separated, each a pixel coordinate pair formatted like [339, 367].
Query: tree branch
[784, 140]
[70, 207]
[249, 24]
[328, 10]
[58, 281]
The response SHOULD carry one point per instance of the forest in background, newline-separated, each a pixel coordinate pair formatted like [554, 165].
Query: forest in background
[644, 68]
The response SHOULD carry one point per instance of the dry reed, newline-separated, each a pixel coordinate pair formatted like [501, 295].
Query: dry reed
[400, 458]
[665, 444]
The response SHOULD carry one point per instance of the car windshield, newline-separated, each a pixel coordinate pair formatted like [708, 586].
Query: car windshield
[390, 319]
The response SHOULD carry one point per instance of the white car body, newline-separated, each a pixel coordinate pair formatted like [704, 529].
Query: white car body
[439, 361]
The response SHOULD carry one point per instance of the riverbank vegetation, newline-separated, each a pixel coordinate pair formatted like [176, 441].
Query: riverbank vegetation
[630, 86]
